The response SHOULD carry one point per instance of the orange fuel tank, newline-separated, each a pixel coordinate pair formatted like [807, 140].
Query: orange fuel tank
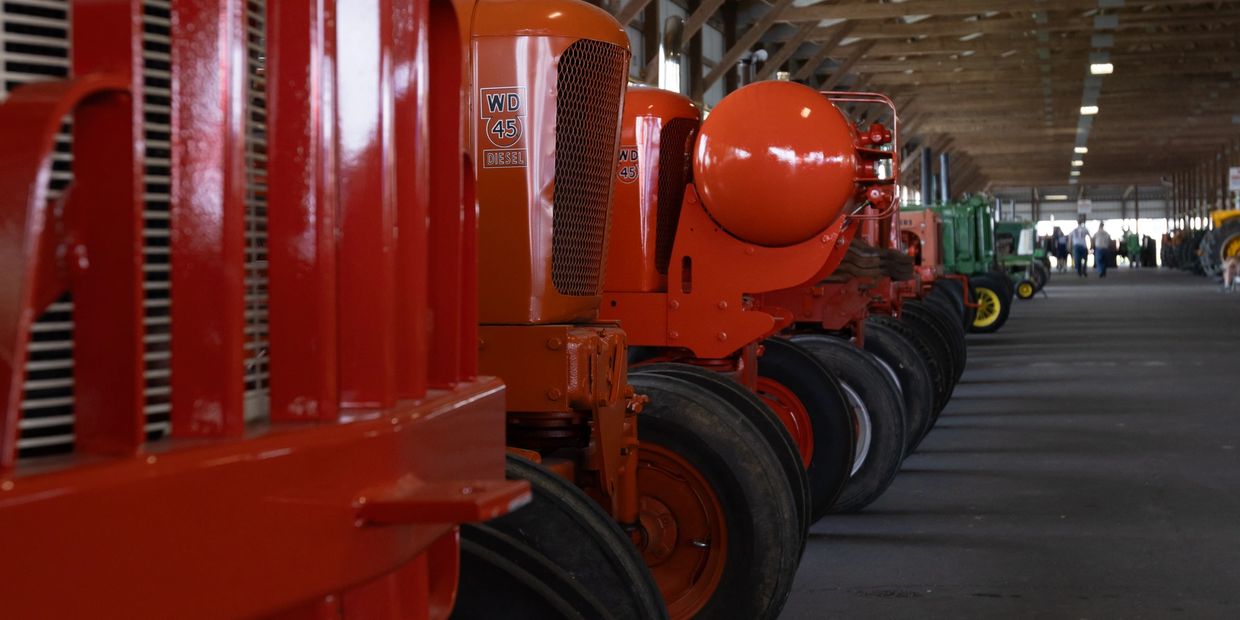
[775, 163]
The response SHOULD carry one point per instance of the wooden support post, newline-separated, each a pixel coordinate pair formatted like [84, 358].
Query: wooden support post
[694, 56]
[731, 81]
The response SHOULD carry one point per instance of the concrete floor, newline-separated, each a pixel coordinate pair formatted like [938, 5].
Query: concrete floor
[1087, 467]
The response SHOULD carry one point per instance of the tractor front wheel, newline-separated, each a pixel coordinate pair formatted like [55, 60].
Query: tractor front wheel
[993, 303]
[718, 523]
[808, 399]
[573, 533]
[878, 417]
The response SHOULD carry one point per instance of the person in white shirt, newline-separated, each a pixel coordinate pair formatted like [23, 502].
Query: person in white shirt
[1080, 239]
[1102, 248]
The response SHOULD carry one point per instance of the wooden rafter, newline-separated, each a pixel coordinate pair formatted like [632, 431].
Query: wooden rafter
[743, 44]
[838, 34]
[785, 52]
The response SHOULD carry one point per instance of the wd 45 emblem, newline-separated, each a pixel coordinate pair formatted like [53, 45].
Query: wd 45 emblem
[626, 169]
[503, 113]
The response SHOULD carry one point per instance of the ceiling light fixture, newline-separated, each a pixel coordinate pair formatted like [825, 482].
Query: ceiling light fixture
[1078, 162]
[1081, 149]
[1056, 197]
[1101, 68]
[1089, 110]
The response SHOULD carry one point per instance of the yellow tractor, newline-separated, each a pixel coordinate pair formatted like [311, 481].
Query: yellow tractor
[1221, 243]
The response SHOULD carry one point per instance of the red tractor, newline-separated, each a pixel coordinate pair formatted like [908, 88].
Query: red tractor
[261, 399]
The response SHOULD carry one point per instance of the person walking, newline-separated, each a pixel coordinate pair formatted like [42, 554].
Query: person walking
[1102, 246]
[1080, 251]
[1059, 246]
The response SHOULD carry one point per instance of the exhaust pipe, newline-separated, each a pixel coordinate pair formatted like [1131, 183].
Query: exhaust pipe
[670, 53]
[927, 177]
[945, 182]
[746, 65]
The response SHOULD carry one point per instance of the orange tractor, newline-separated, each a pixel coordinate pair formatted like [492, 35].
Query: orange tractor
[246, 326]
[712, 218]
[626, 471]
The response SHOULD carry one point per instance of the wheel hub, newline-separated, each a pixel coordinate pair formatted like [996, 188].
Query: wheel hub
[658, 530]
[684, 534]
[792, 413]
[987, 307]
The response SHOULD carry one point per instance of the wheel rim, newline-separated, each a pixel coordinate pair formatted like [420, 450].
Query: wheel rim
[1025, 289]
[1231, 247]
[987, 307]
[863, 428]
[891, 373]
[792, 413]
[682, 529]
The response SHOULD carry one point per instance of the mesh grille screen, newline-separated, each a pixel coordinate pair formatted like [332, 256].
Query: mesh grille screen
[589, 86]
[673, 174]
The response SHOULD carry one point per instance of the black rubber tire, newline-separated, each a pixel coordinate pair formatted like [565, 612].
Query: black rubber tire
[1214, 243]
[1006, 279]
[819, 391]
[728, 451]
[1041, 275]
[503, 577]
[947, 292]
[570, 529]
[950, 332]
[760, 415]
[860, 372]
[997, 285]
[933, 349]
[916, 385]
[955, 290]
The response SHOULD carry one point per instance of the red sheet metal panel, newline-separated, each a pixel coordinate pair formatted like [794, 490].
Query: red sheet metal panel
[208, 218]
[303, 203]
[104, 213]
[367, 242]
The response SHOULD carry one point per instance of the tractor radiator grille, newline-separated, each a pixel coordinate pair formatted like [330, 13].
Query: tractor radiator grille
[256, 370]
[674, 144]
[590, 87]
[34, 45]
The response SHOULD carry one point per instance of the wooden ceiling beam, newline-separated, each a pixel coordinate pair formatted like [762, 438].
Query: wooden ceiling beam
[839, 32]
[743, 44]
[1027, 27]
[631, 10]
[776, 60]
[837, 74]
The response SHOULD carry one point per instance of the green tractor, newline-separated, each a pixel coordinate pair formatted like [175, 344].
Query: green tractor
[967, 237]
[1017, 252]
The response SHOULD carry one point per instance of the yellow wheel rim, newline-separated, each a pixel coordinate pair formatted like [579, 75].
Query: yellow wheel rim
[1231, 247]
[988, 307]
[1025, 290]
